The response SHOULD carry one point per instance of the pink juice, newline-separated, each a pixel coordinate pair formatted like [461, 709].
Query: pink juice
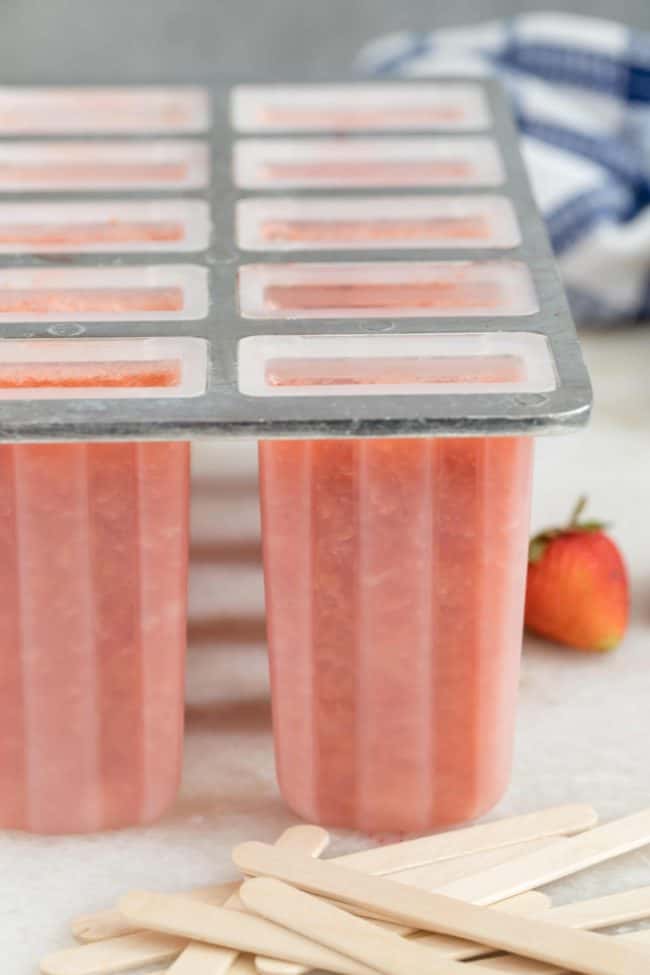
[92, 632]
[98, 232]
[395, 573]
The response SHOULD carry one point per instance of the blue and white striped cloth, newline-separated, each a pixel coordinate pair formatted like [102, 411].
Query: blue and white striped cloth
[581, 94]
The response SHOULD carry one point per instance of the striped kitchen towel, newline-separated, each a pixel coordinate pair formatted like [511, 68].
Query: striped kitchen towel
[580, 89]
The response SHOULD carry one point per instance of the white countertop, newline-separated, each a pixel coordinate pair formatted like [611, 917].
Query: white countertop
[584, 721]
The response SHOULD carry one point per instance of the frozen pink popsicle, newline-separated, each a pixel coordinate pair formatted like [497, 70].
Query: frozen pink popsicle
[395, 574]
[92, 629]
[346, 231]
[65, 300]
[355, 118]
[97, 375]
[454, 295]
[63, 173]
[98, 232]
[407, 172]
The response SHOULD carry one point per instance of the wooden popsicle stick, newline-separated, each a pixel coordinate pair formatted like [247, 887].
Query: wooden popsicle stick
[562, 858]
[200, 922]
[115, 954]
[599, 912]
[633, 905]
[442, 872]
[556, 821]
[504, 833]
[602, 912]
[311, 917]
[577, 950]
[101, 925]
[202, 959]
[137, 948]
[110, 923]
[217, 925]
[536, 869]
[431, 876]
[530, 903]
[512, 965]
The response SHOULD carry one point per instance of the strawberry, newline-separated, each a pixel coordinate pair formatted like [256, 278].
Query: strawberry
[577, 590]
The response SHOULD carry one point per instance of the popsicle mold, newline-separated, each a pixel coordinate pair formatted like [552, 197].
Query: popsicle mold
[393, 162]
[384, 222]
[380, 106]
[51, 110]
[68, 167]
[395, 573]
[92, 629]
[406, 289]
[101, 294]
[108, 227]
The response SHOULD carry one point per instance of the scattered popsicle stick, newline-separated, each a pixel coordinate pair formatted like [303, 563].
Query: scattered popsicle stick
[512, 965]
[111, 924]
[606, 911]
[599, 912]
[217, 925]
[115, 954]
[632, 905]
[441, 872]
[530, 903]
[202, 959]
[556, 821]
[531, 870]
[576, 853]
[502, 834]
[223, 927]
[576, 950]
[125, 952]
[432, 875]
[333, 928]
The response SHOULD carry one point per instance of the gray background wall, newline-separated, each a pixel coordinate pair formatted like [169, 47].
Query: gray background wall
[148, 39]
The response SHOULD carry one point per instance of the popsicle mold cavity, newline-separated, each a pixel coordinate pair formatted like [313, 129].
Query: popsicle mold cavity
[85, 166]
[103, 368]
[401, 289]
[40, 111]
[108, 227]
[397, 162]
[397, 222]
[395, 634]
[310, 108]
[375, 365]
[96, 294]
[92, 628]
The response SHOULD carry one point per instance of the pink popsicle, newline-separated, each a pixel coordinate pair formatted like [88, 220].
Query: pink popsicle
[92, 629]
[395, 574]
[395, 640]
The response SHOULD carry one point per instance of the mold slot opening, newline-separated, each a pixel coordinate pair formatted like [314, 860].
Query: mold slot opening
[362, 107]
[42, 110]
[74, 301]
[299, 223]
[386, 289]
[115, 368]
[120, 226]
[443, 363]
[162, 373]
[395, 371]
[96, 294]
[361, 162]
[49, 166]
